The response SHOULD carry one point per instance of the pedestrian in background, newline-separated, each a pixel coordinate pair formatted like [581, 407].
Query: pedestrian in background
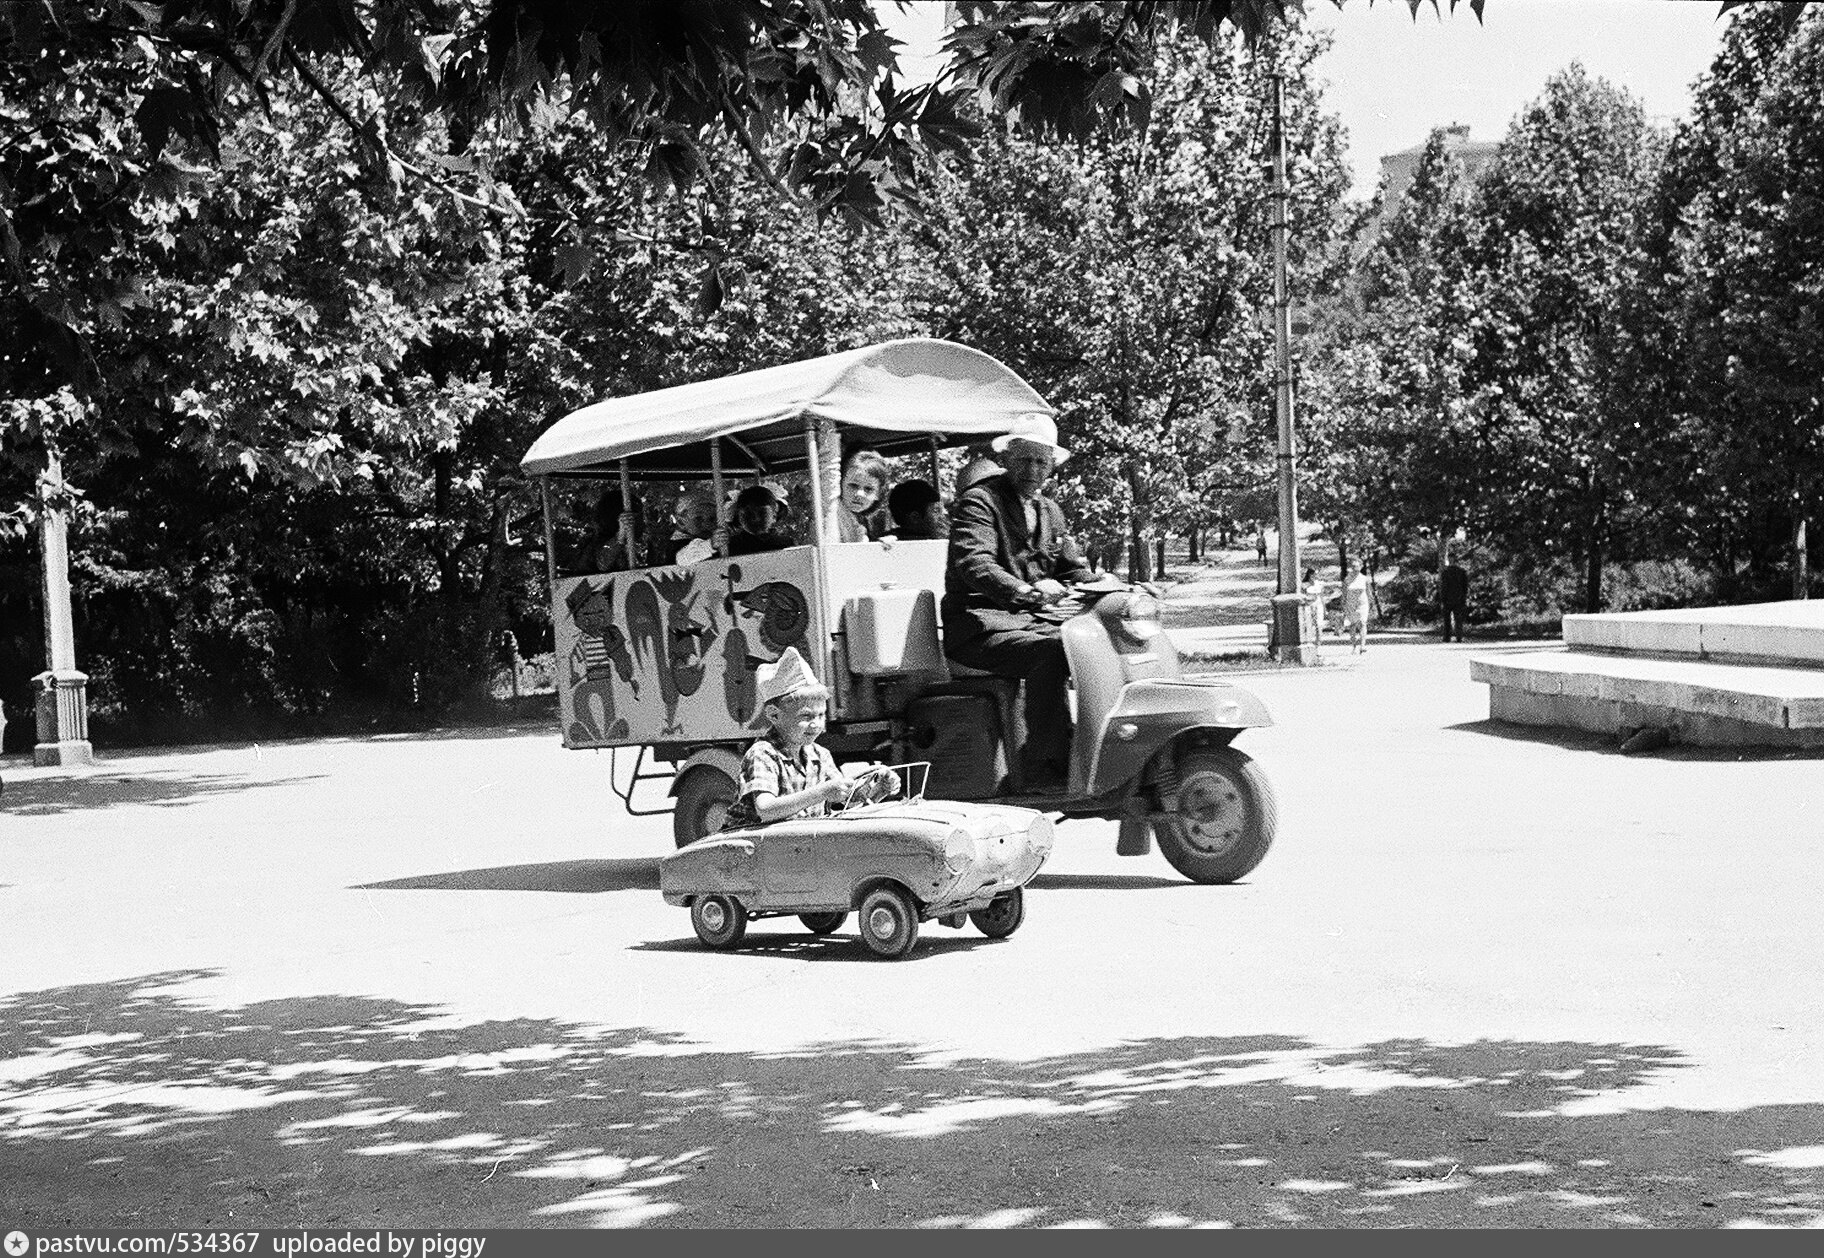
[1358, 606]
[1260, 545]
[1317, 595]
[1453, 596]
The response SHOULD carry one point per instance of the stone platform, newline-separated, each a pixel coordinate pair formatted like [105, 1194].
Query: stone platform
[1713, 676]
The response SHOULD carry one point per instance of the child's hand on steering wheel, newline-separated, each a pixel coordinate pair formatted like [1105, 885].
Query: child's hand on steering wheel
[872, 787]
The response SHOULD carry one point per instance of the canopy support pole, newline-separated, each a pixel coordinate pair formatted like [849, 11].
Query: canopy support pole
[829, 451]
[810, 463]
[931, 463]
[715, 477]
[544, 503]
[627, 515]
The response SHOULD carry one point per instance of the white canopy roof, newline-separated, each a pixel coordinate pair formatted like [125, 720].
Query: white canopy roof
[897, 396]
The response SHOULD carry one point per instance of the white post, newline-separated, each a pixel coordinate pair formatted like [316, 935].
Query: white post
[1291, 643]
[63, 705]
[715, 475]
[829, 472]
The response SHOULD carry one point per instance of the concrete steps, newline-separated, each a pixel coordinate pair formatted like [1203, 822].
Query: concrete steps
[1712, 676]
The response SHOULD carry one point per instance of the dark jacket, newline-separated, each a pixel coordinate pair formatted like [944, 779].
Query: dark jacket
[1453, 586]
[741, 542]
[992, 557]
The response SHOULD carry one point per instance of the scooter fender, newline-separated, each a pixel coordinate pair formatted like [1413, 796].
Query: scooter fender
[1154, 712]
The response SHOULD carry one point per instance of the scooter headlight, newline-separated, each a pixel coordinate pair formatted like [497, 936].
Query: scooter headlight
[1141, 606]
[1140, 618]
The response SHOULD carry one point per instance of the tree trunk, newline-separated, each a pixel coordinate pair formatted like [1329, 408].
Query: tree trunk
[1342, 553]
[1194, 540]
[1599, 525]
[1137, 566]
[1801, 565]
[1592, 581]
[1138, 569]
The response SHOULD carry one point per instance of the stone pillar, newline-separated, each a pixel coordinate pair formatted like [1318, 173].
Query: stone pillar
[63, 718]
[63, 702]
[1294, 636]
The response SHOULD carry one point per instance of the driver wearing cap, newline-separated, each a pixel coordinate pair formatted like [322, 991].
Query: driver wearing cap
[1011, 560]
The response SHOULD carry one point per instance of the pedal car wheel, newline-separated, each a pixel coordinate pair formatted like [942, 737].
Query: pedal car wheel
[822, 923]
[1003, 915]
[1226, 816]
[889, 924]
[719, 921]
[704, 795]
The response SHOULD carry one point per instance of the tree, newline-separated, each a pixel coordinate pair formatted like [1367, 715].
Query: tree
[1388, 437]
[1558, 244]
[1124, 276]
[1746, 235]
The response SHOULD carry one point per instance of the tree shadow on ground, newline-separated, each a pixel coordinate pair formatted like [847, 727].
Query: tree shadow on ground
[79, 792]
[1610, 744]
[129, 1108]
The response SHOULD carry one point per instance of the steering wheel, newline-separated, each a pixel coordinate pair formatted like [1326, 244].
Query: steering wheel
[871, 788]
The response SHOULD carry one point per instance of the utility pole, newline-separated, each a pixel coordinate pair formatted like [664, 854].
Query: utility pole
[63, 702]
[1294, 642]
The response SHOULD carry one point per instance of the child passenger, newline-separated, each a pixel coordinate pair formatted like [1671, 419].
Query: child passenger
[693, 524]
[917, 511]
[758, 511]
[859, 512]
[787, 774]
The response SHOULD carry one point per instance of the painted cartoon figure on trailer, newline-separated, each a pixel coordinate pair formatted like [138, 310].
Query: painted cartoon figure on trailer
[676, 642]
[599, 656]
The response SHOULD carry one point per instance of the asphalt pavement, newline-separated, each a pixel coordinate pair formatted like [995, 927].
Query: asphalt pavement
[1486, 977]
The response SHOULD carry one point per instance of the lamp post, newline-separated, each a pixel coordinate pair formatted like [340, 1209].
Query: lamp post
[1294, 642]
[63, 704]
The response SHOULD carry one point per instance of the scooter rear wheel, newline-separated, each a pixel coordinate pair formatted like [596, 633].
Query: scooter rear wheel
[1226, 819]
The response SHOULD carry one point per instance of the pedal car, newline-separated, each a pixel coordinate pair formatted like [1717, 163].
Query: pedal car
[896, 864]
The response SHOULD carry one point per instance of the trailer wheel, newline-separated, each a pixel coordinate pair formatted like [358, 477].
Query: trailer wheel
[1003, 915]
[889, 923]
[1226, 816]
[822, 923]
[719, 921]
[704, 794]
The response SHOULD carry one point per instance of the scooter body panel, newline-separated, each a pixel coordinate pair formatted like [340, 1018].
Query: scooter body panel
[1152, 714]
[1132, 698]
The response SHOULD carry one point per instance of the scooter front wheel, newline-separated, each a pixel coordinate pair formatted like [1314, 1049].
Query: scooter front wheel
[1226, 817]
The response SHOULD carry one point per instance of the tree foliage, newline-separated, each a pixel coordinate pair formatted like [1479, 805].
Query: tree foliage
[1746, 229]
[1127, 277]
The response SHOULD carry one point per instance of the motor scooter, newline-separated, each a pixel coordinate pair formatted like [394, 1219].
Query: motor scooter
[1150, 747]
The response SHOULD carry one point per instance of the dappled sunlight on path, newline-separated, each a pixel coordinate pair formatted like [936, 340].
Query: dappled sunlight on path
[122, 1106]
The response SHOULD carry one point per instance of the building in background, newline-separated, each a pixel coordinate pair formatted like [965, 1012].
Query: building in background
[1397, 169]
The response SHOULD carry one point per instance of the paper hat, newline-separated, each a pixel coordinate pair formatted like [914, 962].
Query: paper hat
[788, 678]
[1043, 432]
